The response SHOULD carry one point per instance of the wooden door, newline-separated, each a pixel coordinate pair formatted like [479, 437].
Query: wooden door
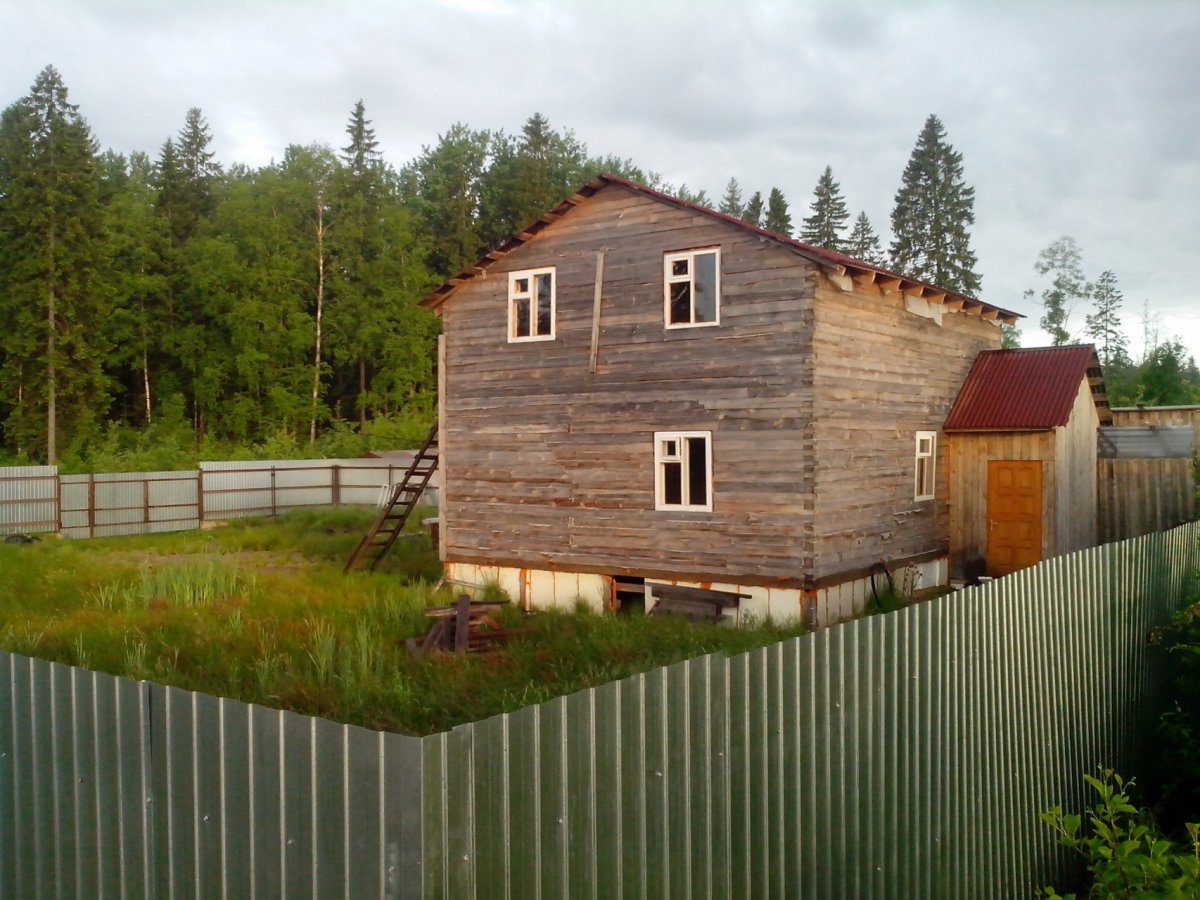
[1014, 515]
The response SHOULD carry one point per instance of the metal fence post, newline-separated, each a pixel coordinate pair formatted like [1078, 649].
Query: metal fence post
[337, 485]
[199, 496]
[91, 504]
[273, 511]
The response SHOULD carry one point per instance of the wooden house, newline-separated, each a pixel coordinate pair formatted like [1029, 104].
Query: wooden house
[1022, 441]
[638, 389]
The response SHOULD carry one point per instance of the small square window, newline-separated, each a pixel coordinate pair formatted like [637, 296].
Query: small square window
[692, 288]
[531, 305]
[683, 470]
[926, 457]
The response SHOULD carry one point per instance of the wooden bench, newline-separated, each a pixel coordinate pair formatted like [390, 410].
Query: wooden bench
[697, 604]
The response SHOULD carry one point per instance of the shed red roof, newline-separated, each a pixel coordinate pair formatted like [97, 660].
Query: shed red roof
[834, 264]
[1027, 390]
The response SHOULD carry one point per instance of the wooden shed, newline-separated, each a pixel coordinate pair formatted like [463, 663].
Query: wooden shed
[1022, 458]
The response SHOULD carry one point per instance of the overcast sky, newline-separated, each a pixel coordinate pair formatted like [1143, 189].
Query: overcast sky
[1078, 118]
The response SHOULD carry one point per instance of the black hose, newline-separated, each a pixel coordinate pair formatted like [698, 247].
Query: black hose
[875, 589]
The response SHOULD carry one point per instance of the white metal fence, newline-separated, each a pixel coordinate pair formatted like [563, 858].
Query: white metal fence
[38, 499]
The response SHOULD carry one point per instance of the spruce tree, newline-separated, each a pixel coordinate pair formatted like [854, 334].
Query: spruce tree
[731, 201]
[863, 242]
[355, 244]
[829, 215]
[1104, 325]
[933, 212]
[778, 219]
[753, 212]
[529, 174]
[361, 156]
[52, 251]
[443, 185]
[376, 330]
[138, 240]
[683, 192]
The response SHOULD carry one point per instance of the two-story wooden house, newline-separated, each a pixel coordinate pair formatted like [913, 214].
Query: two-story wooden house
[636, 388]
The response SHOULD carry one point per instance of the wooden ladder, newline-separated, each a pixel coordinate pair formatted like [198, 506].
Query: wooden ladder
[390, 522]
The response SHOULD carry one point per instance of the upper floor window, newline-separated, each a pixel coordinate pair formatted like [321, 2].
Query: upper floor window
[926, 454]
[531, 305]
[683, 470]
[692, 287]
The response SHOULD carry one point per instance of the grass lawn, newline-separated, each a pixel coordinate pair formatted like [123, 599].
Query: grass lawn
[260, 611]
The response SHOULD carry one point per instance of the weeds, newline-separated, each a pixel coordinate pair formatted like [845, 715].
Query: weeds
[261, 612]
[323, 649]
[200, 583]
[1125, 854]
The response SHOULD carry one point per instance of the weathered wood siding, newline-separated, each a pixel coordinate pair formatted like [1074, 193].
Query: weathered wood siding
[1141, 496]
[1155, 415]
[968, 473]
[1075, 481]
[882, 374]
[551, 466]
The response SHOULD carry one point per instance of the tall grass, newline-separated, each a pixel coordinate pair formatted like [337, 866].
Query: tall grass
[260, 611]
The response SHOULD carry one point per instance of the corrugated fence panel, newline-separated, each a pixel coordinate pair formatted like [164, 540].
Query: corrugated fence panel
[28, 499]
[120, 789]
[898, 755]
[74, 763]
[236, 489]
[37, 499]
[128, 503]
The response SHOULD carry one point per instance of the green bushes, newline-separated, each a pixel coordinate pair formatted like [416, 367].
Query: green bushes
[1126, 856]
[1175, 773]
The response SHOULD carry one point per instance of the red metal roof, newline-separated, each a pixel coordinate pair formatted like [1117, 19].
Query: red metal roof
[1026, 390]
[833, 263]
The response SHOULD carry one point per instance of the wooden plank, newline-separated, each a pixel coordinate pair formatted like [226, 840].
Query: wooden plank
[596, 300]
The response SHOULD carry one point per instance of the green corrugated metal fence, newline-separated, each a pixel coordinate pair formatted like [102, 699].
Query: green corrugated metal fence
[905, 755]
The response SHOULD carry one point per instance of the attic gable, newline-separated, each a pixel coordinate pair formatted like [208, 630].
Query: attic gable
[844, 272]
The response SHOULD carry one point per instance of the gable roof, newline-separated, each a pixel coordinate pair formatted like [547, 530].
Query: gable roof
[842, 270]
[1027, 390]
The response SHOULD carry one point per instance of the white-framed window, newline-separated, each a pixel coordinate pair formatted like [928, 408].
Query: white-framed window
[531, 311]
[683, 470]
[692, 288]
[925, 457]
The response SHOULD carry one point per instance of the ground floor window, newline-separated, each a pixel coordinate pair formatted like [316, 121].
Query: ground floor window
[683, 470]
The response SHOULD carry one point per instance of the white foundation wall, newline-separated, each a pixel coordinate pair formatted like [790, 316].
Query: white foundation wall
[540, 589]
[533, 588]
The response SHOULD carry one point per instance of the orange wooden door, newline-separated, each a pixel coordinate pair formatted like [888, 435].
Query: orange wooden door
[1014, 513]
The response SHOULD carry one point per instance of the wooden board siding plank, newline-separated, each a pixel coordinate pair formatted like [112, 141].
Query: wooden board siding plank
[881, 375]
[553, 463]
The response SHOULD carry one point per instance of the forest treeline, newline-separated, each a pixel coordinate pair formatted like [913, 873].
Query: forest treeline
[159, 308]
